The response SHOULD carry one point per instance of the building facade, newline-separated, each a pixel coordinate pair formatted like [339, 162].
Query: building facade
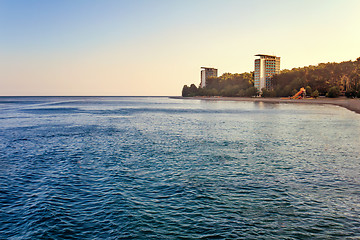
[266, 66]
[206, 73]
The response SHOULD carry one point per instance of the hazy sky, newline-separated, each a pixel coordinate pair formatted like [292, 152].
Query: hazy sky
[154, 47]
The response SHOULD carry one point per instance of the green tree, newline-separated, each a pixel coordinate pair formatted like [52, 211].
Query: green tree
[193, 90]
[265, 92]
[251, 92]
[315, 94]
[241, 93]
[344, 75]
[333, 92]
[308, 91]
[350, 93]
[213, 92]
[185, 91]
[293, 92]
[287, 91]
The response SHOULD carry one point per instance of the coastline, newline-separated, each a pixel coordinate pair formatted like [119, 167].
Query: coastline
[350, 104]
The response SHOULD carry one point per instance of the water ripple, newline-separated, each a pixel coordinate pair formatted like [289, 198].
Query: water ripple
[155, 168]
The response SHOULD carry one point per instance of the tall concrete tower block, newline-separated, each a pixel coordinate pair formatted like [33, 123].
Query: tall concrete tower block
[206, 73]
[266, 66]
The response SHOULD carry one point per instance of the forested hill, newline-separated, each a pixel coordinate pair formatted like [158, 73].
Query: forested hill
[227, 85]
[329, 79]
[344, 76]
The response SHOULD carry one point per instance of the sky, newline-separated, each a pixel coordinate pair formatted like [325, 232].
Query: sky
[155, 47]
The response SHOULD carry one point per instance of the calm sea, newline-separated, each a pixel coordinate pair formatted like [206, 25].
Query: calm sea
[160, 168]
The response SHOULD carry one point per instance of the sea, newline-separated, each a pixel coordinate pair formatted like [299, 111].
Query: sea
[164, 168]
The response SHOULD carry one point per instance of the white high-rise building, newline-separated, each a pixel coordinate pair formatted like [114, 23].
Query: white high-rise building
[265, 67]
[206, 73]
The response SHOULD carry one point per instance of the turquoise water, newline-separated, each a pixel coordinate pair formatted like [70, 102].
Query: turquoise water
[160, 168]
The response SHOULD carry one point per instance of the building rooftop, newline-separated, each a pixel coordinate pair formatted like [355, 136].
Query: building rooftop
[208, 68]
[264, 55]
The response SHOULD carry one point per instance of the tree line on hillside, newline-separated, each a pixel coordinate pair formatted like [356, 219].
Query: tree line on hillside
[325, 79]
[227, 85]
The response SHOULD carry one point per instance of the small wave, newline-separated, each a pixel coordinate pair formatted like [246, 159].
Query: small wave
[51, 110]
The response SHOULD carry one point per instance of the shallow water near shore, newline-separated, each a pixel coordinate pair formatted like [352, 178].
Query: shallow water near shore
[160, 168]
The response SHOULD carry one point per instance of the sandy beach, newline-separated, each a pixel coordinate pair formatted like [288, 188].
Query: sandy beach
[351, 104]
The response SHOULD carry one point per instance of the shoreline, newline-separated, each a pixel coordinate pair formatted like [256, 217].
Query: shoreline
[350, 104]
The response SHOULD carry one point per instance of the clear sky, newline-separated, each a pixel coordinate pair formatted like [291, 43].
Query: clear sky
[154, 47]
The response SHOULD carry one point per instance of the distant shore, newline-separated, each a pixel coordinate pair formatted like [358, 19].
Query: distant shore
[351, 104]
